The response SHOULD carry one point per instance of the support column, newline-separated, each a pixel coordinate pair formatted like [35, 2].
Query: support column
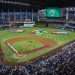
[38, 15]
[8, 17]
[21, 15]
[32, 15]
[2, 16]
[67, 16]
[14, 15]
[26, 14]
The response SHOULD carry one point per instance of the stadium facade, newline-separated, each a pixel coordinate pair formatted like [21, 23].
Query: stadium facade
[13, 11]
[16, 12]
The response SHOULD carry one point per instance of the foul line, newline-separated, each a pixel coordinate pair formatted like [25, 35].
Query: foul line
[12, 48]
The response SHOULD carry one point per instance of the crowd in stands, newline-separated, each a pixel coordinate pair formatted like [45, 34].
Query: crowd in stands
[62, 63]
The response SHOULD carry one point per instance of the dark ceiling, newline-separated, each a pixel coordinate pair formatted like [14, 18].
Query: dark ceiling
[38, 4]
[45, 3]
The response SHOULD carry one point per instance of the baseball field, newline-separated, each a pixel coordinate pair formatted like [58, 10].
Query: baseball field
[31, 43]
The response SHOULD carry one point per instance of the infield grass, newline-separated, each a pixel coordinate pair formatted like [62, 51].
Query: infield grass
[27, 45]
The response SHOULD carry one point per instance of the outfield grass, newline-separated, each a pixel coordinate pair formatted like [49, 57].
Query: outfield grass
[28, 45]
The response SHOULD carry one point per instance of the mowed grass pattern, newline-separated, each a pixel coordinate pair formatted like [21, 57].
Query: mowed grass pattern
[27, 45]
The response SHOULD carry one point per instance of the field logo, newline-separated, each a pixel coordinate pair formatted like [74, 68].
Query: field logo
[52, 12]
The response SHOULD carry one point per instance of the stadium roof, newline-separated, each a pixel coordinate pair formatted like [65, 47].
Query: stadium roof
[38, 3]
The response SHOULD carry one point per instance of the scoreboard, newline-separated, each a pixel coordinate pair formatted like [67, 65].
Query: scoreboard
[53, 12]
